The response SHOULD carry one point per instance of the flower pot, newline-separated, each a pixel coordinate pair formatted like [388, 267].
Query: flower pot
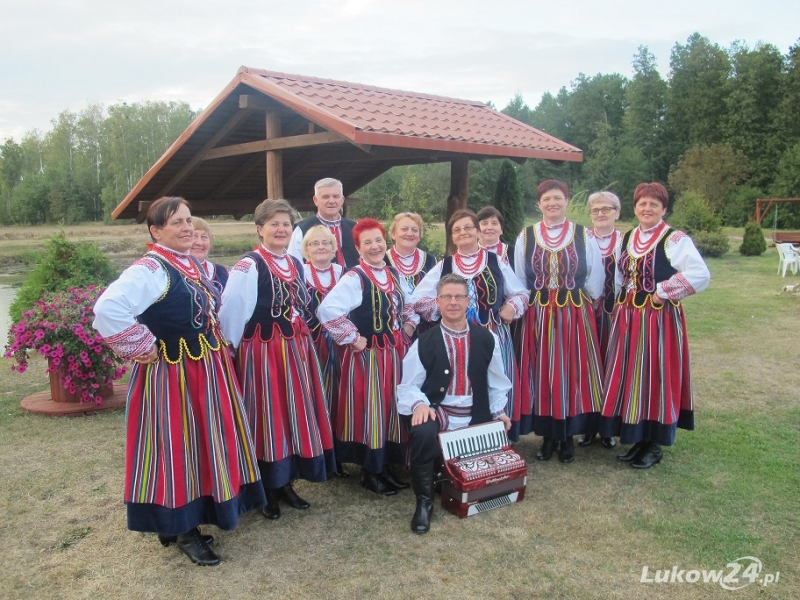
[61, 394]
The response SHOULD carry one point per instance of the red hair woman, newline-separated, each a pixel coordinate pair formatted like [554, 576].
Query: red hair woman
[648, 383]
[368, 314]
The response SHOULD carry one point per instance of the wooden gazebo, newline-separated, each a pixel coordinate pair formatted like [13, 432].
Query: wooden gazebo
[272, 135]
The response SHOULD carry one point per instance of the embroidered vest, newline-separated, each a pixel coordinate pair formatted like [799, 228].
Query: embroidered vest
[489, 288]
[439, 372]
[562, 272]
[377, 318]
[641, 275]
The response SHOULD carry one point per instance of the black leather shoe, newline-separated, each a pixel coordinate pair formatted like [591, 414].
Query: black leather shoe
[586, 439]
[166, 540]
[651, 456]
[633, 452]
[422, 481]
[288, 495]
[373, 483]
[608, 442]
[546, 452]
[195, 547]
[340, 472]
[272, 510]
[392, 481]
[566, 452]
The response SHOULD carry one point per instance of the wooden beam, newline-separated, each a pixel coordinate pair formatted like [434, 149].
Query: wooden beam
[241, 206]
[459, 192]
[274, 158]
[261, 104]
[234, 178]
[293, 141]
[199, 156]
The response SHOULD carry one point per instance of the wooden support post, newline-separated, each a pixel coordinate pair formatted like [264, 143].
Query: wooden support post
[459, 192]
[274, 159]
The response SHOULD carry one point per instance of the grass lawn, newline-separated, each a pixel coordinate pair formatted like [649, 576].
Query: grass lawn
[727, 490]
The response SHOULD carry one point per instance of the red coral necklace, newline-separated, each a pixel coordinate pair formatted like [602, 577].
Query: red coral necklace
[553, 242]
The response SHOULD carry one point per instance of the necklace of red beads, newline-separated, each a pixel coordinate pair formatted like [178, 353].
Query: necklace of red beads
[469, 267]
[284, 274]
[185, 264]
[550, 241]
[608, 248]
[640, 247]
[399, 264]
[323, 289]
[369, 270]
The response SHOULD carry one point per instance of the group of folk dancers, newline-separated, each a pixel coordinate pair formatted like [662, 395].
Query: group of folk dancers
[303, 358]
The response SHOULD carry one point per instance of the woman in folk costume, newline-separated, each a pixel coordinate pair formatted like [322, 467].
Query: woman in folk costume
[604, 209]
[189, 458]
[496, 296]
[648, 383]
[491, 223]
[321, 274]
[560, 363]
[410, 262]
[264, 315]
[368, 314]
[201, 246]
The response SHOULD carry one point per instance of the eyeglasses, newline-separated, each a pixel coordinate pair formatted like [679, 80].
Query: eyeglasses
[317, 244]
[603, 209]
[465, 229]
[451, 297]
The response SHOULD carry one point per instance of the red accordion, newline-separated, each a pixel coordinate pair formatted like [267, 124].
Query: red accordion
[484, 471]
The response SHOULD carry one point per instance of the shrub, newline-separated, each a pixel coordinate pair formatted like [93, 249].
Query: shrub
[753, 243]
[64, 265]
[692, 214]
[711, 243]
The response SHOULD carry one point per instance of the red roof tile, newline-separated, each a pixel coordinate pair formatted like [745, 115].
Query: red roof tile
[374, 115]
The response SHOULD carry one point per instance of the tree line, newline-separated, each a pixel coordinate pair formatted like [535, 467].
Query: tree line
[723, 125]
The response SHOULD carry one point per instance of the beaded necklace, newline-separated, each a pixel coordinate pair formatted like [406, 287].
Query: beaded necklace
[553, 242]
[322, 289]
[399, 262]
[369, 271]
[640, 247]
[609, 247]
[288, 274]
[468, 267]
[184, 263]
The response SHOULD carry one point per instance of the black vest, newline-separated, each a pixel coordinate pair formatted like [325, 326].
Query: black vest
[439, 371]
[646, 282]
[348, 245]
[536, 282]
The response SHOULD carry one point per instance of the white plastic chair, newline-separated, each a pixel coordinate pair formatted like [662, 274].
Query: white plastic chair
[787, 259]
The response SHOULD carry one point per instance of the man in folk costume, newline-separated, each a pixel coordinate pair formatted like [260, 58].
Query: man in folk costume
[329, 199]
[453, 376]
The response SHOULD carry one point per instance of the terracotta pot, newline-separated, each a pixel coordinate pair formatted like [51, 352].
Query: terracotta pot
[58, 393]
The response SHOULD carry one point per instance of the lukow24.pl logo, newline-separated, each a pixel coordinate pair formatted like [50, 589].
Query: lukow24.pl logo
[737, 574]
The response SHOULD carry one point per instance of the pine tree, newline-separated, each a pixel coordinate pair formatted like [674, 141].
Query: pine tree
[508, 200]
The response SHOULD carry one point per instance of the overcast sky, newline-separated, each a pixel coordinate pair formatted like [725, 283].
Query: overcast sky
[57, 54]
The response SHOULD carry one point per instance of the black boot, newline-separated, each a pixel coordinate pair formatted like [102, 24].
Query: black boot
[651, 456]
[546, 452]
[586, 439]
[566, 453]
[373, 483]
[272, 510]
[608, 442]
[392, 481]
[633, 452]
[288, 495]
[195, 547]
[166, 540]
[422, 481]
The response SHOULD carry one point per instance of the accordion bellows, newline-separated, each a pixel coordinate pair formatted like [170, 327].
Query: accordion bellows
[484, 471]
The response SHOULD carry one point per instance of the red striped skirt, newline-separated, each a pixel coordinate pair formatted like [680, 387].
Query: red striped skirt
[367, 421]
[560, 370]
[285, 405]
[189, 457]
[648, 383]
